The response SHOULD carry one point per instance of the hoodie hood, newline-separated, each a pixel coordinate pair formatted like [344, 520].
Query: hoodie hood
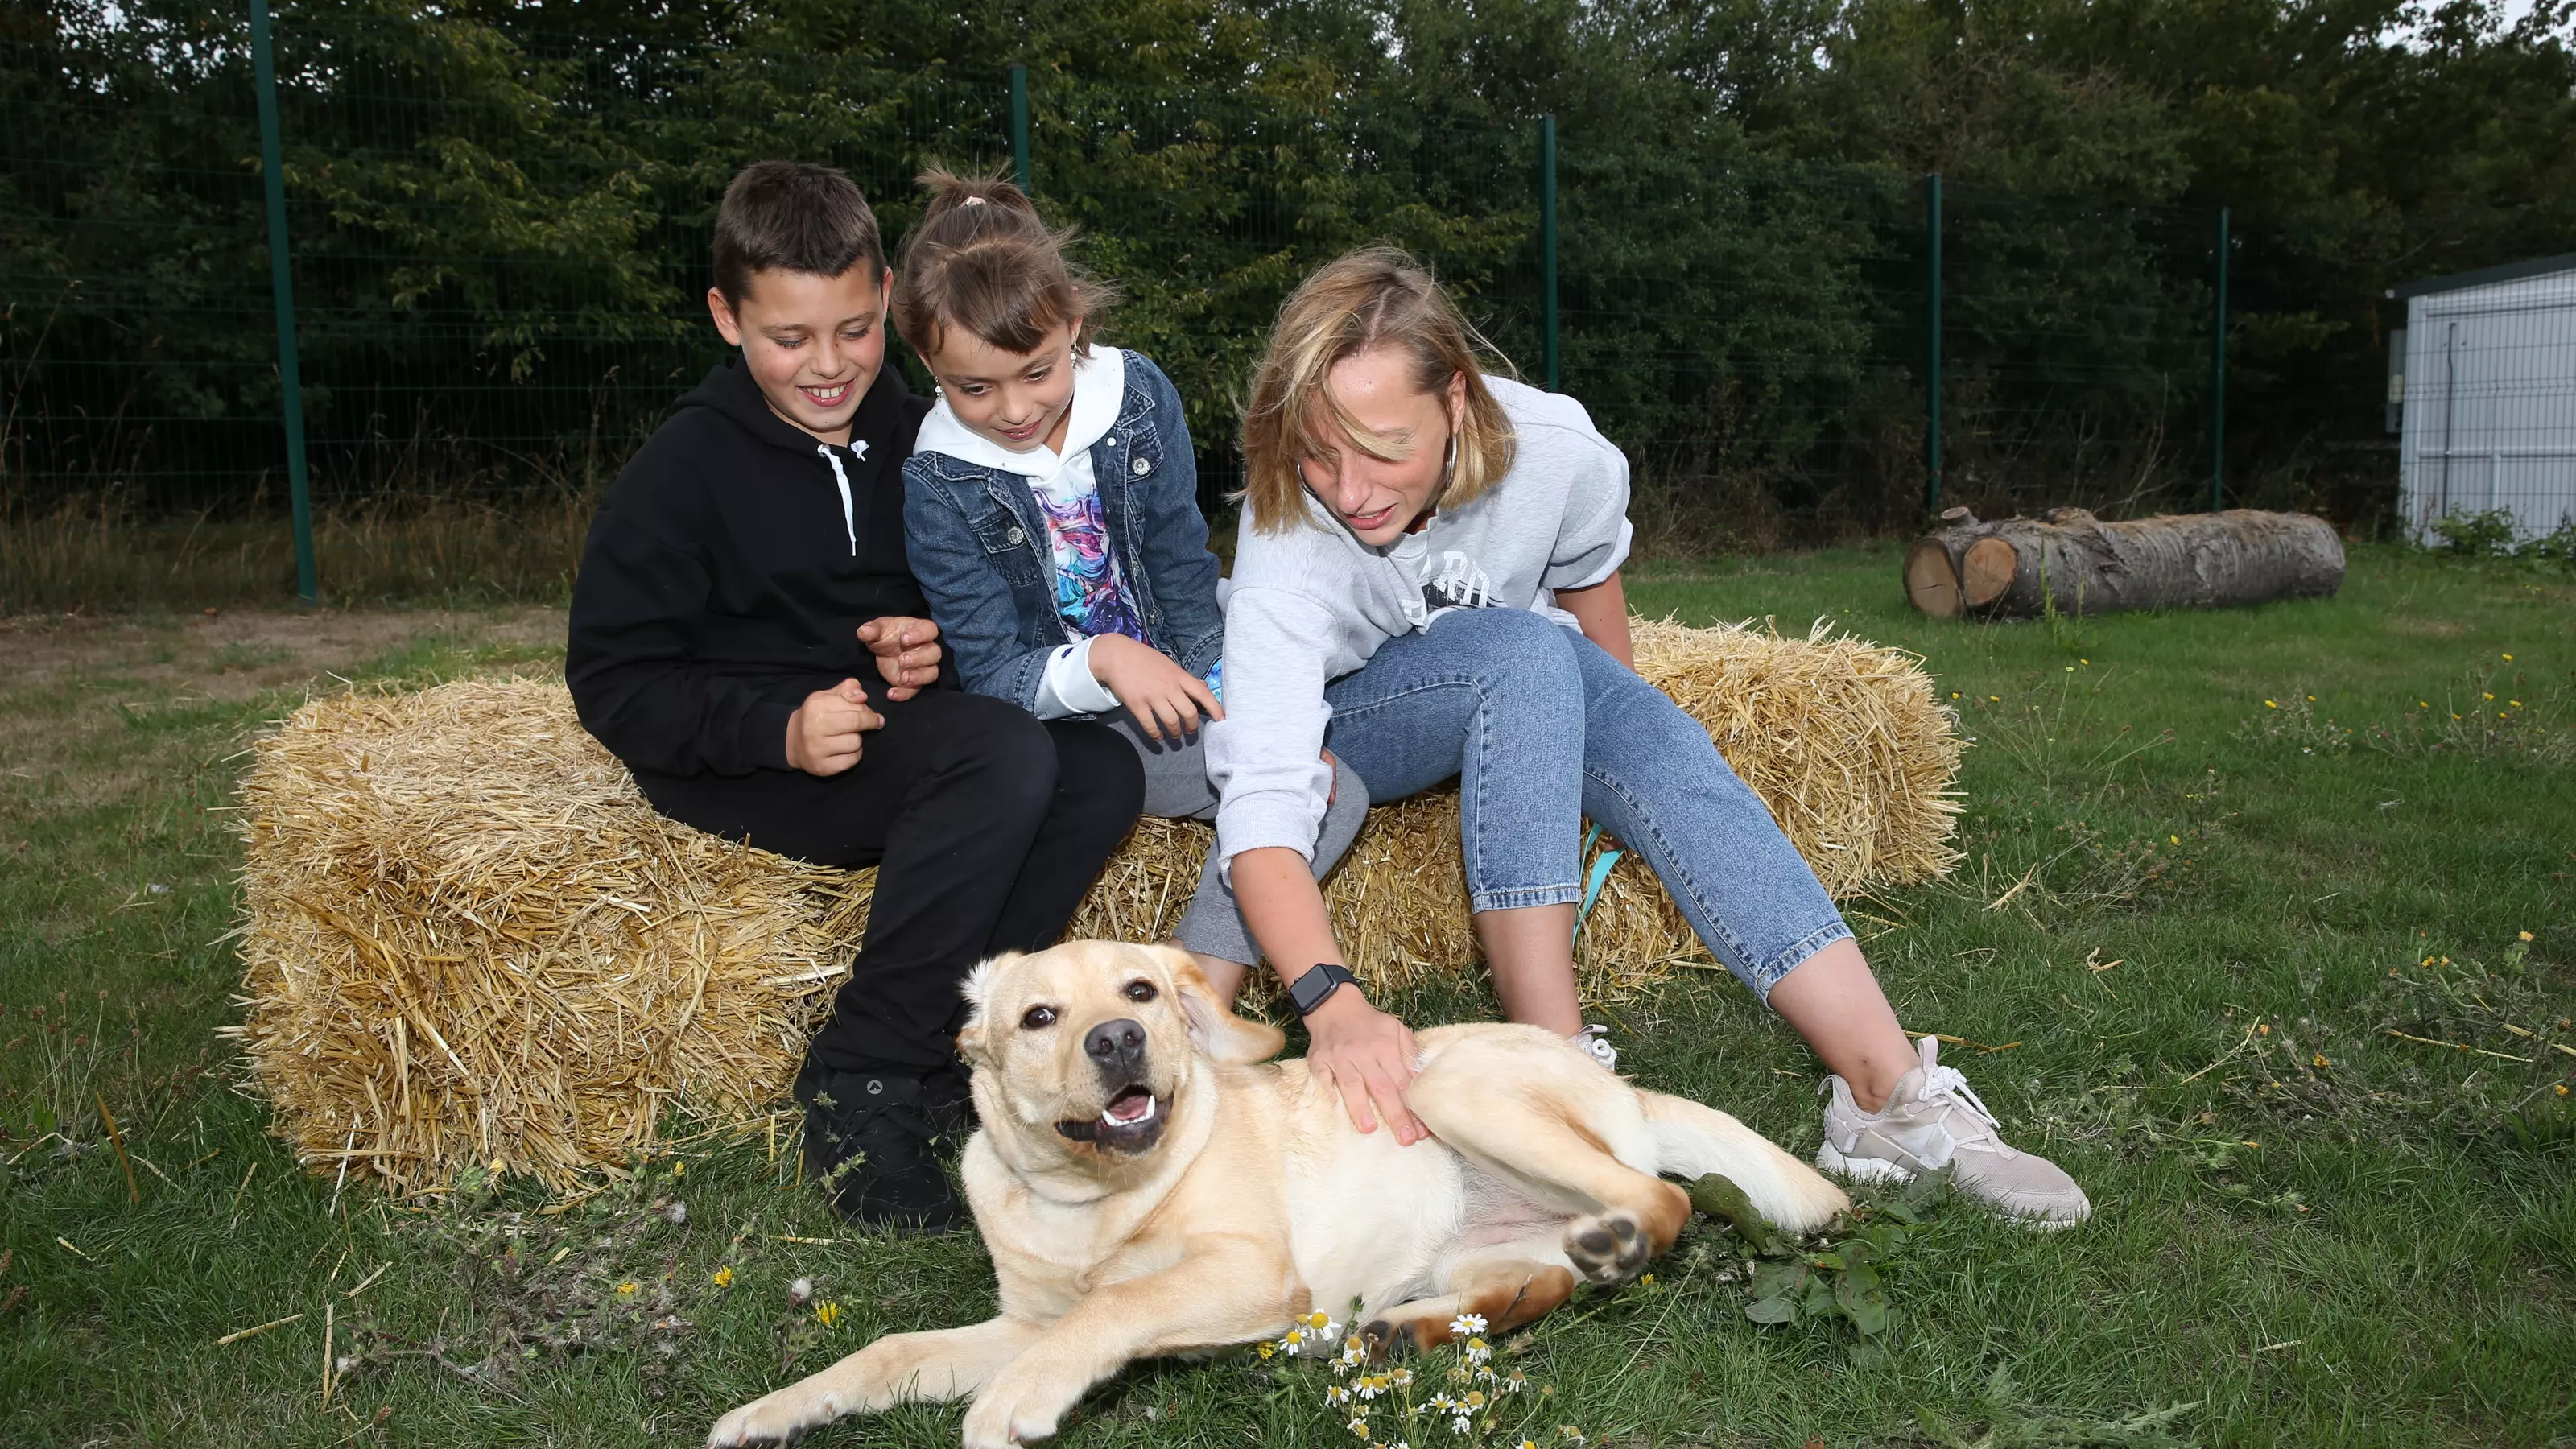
[1099, 391]
[884, 412]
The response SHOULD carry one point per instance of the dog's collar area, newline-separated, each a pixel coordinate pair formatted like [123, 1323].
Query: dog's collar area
[1131, 1122]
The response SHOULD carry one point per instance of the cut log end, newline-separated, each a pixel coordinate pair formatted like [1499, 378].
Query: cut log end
[1986, 571]
[1929, 581]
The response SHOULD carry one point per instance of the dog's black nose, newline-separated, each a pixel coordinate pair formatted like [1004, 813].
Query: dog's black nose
[1119, 1043]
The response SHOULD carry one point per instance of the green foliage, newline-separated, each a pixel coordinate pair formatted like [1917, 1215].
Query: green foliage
[499, 215]
[1843, 1279]
[2475, 535]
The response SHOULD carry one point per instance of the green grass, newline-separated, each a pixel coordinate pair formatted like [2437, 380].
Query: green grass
[2309, 1231]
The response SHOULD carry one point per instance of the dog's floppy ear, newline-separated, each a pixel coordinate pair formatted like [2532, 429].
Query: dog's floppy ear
[978, 991]
[1216, 1032]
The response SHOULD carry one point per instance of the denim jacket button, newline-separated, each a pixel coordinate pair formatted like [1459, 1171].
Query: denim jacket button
[1110, 442]
[1141, 466]
[1015, 536]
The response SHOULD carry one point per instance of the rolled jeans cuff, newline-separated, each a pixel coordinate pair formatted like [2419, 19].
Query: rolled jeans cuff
[1523, 897]
[1764, 975]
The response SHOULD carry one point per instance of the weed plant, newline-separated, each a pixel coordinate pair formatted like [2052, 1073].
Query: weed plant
[2257, 973]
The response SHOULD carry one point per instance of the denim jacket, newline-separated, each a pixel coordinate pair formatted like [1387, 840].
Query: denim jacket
[979, 546]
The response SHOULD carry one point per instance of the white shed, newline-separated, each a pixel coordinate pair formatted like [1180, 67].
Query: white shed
[2486, 371]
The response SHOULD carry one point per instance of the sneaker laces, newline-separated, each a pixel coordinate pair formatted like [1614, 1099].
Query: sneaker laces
[1947, 1082]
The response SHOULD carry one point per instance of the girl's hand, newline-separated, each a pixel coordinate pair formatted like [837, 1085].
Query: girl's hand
[907, 652]
[1163, 697]
[1369, 1055]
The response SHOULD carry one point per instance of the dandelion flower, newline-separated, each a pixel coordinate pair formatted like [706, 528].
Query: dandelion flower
[2508, 659]
[2319, 1059]
[627, 1288]
[679, 1169]
[723, 1278]
[1266, 1349]
[2562, 1089]
[2525, 935]
[828, 1313]
[1647, 1280]
[2271, 704]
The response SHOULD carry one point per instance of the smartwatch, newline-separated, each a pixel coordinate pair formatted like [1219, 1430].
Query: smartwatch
[1318, 984]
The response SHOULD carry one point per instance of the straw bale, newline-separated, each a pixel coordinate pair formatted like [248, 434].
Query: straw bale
[468, 939]
[1845, 741]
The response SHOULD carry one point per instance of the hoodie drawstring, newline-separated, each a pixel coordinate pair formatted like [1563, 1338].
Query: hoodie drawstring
[849, 519]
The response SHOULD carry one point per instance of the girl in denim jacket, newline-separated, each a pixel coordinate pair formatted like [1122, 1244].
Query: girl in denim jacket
[1051, 514]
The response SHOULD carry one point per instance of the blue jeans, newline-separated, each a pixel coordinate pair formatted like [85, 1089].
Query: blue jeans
[1542, 728]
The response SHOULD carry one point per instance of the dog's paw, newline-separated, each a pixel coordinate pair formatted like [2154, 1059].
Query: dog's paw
[1016, 1408]
[1607, 1247]
[780, 1418]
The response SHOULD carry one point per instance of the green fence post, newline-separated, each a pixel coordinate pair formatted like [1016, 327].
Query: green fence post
[2218, 379]
[1547, 249]
[1020, 127]
[1932, 346]
[281, 286]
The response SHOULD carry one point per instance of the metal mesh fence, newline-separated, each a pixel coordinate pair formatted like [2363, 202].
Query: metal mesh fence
[498, 253]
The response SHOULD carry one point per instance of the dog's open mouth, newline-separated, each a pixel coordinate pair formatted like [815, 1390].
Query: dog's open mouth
[1131, 1122]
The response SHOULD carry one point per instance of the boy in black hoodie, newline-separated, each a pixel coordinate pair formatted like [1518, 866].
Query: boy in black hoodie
[747, 637]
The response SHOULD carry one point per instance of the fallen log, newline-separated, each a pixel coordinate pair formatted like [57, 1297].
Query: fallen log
[2017, 567]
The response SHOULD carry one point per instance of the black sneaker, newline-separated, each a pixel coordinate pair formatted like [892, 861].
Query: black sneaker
[950, 1104]
[868, 1140]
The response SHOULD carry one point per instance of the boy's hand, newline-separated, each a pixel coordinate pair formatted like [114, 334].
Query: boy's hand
[823, 734]
[907, 652]
[1162, 696]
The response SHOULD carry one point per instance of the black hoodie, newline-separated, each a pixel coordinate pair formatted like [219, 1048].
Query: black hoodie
[723, 580]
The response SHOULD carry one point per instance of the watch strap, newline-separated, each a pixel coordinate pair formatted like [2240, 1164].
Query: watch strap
[1317, 985]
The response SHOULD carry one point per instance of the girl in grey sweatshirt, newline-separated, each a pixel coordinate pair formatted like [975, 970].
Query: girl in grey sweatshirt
[1427, 583]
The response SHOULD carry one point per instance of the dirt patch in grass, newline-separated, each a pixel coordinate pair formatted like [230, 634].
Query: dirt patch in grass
[238, 653]
[67, 680]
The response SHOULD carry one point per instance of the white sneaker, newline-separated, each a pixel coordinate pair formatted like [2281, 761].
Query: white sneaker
[1594, 1041]
[1932, 1121]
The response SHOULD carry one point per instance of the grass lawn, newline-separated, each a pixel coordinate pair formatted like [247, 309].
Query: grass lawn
[2237, 939]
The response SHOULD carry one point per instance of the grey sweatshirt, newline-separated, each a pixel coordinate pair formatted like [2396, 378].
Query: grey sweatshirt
[1311, 603]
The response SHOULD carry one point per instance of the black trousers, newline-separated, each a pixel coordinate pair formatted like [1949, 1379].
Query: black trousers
[986, 826]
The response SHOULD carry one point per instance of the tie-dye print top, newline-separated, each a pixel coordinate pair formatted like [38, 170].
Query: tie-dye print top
[1091, 593]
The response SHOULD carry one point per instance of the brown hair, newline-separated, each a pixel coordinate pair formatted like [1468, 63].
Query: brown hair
[982, 259]
[794, 217]
[1375, 297]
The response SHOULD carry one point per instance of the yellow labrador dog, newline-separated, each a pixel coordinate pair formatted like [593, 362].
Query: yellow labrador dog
[1149, 1182]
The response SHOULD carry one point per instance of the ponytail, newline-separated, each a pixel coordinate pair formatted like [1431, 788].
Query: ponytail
[982, 259]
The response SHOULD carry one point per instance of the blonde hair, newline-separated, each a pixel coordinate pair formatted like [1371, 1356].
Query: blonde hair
[981, 259]
[1375, 297]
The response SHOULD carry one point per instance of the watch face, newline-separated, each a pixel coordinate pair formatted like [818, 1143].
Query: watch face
[1308, 991]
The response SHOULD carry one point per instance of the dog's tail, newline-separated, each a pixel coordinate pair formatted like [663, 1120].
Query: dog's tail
[1692, 1141]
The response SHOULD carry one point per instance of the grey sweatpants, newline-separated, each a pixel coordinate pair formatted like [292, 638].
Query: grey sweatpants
[1177, 788]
